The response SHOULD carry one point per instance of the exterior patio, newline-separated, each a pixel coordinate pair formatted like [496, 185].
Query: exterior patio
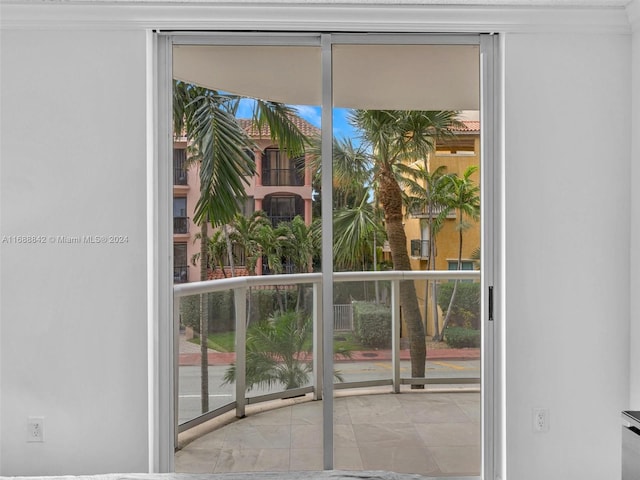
[435, 433]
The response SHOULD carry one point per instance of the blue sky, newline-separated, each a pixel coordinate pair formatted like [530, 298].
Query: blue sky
[313, 115]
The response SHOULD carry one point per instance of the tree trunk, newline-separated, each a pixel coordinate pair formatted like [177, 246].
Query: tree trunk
[455, 286]
[204, 321]
[391, 200]
[227, 239]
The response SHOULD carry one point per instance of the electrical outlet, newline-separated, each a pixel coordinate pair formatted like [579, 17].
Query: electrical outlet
[35, 429]
[540, 420]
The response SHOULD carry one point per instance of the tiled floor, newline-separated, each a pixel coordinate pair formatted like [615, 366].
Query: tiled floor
[432, 434]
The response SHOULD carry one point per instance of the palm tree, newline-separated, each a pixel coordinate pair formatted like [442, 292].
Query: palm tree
[300, 244]
[219, 144]
[463, 196]
[351, 172]
[397, 137]
[427, 193]
[279, 350]
[217, 251]
[354, 229]
[207, 117]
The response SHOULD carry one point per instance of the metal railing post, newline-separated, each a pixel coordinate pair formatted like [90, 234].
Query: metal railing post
[240, 298]
[176, 366]
[395, 334]
[317, 340]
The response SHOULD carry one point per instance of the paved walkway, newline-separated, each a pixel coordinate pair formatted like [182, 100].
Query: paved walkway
[190, 354]
[434, 434]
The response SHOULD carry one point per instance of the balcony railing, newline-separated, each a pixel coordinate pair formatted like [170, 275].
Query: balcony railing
[424, 212]
[282, 177]
[420, 249]
[179, 167]
[180, 225]
[181, 274]
[276, 219]
[240, 287]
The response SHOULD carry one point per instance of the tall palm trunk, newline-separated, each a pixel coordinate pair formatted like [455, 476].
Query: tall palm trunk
[227, 240]
[204, 321]
[455, 285]
[391, 200]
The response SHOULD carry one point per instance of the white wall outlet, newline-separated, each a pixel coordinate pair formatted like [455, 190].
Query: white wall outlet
[35, 429]
[540, 420]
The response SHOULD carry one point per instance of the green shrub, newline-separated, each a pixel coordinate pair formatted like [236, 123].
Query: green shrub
[221, 311]
[221, 305]
[372, 324]
[265, 302]
[190, 312]
[465, 311]
[458, 337]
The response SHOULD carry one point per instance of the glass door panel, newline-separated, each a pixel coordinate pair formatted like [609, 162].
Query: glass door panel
[401, 370]
[251, 123]
[406, 197]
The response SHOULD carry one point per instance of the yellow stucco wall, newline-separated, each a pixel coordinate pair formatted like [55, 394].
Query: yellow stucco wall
[447, 240]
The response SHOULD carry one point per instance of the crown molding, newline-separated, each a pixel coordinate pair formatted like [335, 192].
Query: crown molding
[271, 16]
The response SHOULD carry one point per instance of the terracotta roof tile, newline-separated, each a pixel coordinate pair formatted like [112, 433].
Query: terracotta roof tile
[305, 127]
[470, 126]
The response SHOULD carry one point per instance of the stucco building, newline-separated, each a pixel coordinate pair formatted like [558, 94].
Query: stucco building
[281, 187]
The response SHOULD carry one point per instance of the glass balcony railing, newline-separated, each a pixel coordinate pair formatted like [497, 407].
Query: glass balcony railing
[235, 308]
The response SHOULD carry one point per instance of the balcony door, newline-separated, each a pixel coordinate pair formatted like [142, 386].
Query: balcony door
[397, 128]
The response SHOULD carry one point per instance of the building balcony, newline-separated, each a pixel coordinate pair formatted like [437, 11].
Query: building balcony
[180, 167]
[180, 225]
[282, 177]
[423, 212]
[420, 249]
[448, 407]
[181, 274]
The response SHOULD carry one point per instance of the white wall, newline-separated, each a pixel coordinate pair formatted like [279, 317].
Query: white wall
[567, 210]
[635, 218]
[73, 345]
[73, 162]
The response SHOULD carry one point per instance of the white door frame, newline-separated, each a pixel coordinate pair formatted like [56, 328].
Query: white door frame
[163, 356]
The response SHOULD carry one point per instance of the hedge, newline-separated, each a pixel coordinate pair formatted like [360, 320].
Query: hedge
[458, 337]
[372, 324]
[222, 308]
[465, 311]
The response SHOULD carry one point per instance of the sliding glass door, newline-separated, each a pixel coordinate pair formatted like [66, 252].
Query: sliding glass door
[335, 223]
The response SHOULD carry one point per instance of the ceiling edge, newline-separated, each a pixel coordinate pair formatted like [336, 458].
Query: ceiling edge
[275, 16]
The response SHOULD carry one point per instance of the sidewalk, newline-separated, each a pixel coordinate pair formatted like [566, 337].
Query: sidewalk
[190, 355]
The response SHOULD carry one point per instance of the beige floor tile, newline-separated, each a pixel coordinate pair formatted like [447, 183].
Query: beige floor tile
[392, 435]
[273, 460]
[347, 458]
[305, 459]
[278, 416]
[449, 434]
[425, 433]
[306, 436]
[344, 436]
[196, 460]
[307, 414]
[376, 409]
[435, 410]
[399, 459]
[463, 460]
[237, 460]
[257, 436]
